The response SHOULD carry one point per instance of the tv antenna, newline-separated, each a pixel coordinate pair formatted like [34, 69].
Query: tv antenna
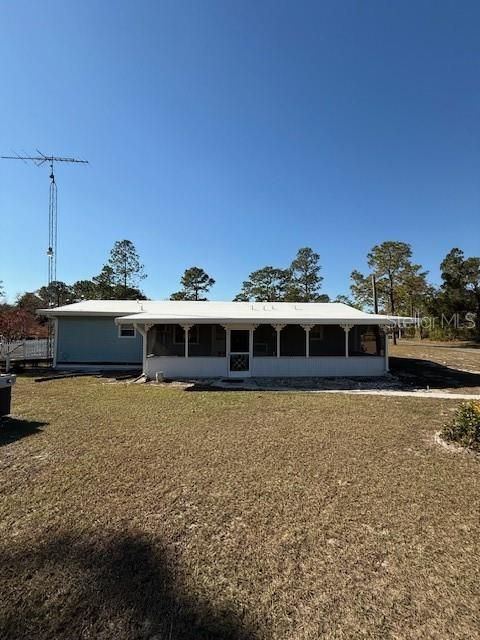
[40, 160]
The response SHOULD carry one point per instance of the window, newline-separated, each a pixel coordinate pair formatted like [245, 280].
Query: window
[366, 340]
[261, 348]
[327, 340]
[264, 341]
[179, 335]
[161, 331]
[126, 331]
[316, 333]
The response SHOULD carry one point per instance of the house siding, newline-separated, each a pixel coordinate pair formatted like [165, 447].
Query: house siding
[94, 340]
[174, 367]
[318, 367]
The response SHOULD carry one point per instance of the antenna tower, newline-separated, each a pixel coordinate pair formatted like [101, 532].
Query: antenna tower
[39, 160]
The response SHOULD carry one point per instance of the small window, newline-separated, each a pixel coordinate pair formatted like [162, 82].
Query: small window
[316, 333]
[261, 348]
[162, 333]
[126, 331]
[219, 332]
[179, 335]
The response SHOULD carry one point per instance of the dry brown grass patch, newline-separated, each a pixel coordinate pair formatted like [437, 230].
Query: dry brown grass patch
[138, 512]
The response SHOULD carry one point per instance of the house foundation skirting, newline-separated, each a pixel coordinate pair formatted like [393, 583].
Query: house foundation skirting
[287, 366]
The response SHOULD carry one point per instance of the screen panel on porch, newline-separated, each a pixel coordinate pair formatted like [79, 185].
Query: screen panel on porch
[327, 340]
[211, 344]
[205, 340]
[293, 341]
[161, 341]
[366, 340]
[264, 341]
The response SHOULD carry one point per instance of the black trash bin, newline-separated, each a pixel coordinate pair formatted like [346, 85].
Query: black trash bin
[6, 382]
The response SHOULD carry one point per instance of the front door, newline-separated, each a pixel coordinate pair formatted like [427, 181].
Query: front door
[239, 356]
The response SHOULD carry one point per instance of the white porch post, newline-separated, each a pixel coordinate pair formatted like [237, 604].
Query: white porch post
[186, 328]
[387, 364]
[227, 344]
[250, 344]
[307, 328]
[346, 328]
[278, 328]
[143, 330]
[147, 328]
[55, 342]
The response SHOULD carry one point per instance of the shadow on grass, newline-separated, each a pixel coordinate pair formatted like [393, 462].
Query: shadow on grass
[121, 587]
[443, 345]
[416, 373]
[46, 373]
[12, 429]
[52, 375]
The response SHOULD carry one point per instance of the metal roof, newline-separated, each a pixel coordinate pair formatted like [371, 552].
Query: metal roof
[97, 308]
[203, 312]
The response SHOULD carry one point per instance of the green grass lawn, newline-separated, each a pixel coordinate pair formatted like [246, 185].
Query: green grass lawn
[136, 511]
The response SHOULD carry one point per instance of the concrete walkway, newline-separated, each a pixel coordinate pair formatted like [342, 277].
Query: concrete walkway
[444, 395]
[387, 388]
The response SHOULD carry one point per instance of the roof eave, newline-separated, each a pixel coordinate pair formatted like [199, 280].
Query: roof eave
[54, 313]
[132, 319]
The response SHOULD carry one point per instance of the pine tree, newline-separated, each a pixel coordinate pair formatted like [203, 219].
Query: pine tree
[56, 294]
[125, 265]
[305, 278]
[119, 277]
[195, 284]
[268, 284]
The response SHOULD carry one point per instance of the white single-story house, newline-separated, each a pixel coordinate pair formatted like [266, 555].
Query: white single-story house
[180, 339]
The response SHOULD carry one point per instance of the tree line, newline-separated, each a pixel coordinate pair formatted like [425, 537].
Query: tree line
[394, 284]
[299, 282]
[402, 287]
[119, 278]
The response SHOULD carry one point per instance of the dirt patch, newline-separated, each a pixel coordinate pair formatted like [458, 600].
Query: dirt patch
[452, 447]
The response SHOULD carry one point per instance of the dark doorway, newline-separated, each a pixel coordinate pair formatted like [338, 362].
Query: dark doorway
[240, 341]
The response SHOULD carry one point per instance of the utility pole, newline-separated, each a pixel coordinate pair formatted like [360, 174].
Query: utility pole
[374, 290]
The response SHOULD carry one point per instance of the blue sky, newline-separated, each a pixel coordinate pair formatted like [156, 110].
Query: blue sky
[229, 134]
